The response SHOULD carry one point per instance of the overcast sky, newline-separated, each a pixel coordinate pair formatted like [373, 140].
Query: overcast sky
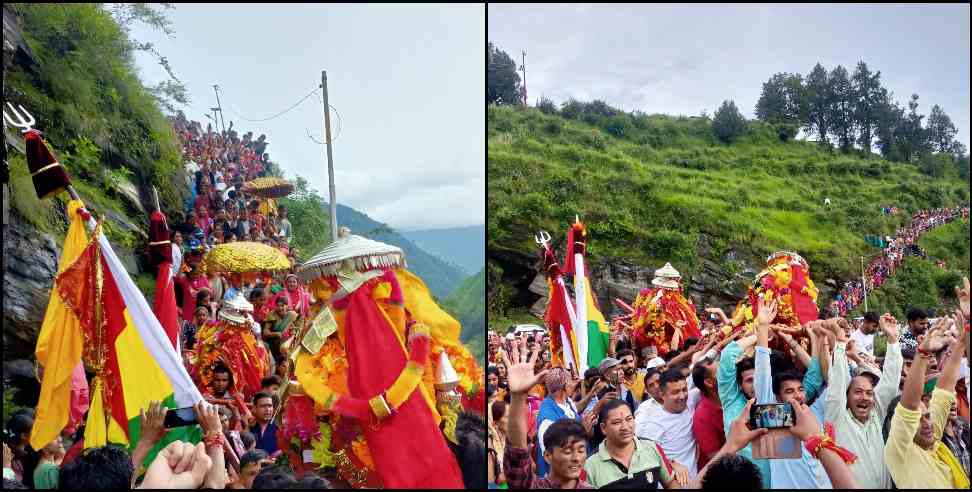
[682, 59]
[407, 80]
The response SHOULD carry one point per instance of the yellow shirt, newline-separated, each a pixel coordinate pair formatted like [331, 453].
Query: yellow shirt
[638, 387]
[911, 466]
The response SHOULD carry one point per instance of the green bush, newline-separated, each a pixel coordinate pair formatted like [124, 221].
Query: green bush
[546, 106]
[618, 125]
[728, 123]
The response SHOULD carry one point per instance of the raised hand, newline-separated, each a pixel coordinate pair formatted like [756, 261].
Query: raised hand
[520, 376]
[719, 312]
[740, 435]
[153, 423]
[961, 336]
[767, 311]
[963, 296]
[806, 425]
[833, 325]
[208, 417]
[179, 466]
[889, 326]
[935, 338]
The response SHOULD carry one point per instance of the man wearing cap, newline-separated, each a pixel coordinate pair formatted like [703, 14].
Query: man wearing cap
[613, 372]
[554, 407]
[857, 406]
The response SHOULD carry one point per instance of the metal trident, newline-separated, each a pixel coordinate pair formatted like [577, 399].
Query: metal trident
[20, 122]
[26, 122]
[542, 238]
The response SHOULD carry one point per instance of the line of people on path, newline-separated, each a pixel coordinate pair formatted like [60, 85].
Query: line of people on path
[884, 265]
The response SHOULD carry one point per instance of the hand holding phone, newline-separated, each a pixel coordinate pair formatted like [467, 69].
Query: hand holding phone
[779, 442]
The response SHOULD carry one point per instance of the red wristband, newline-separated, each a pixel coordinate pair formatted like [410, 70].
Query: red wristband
[820, 442]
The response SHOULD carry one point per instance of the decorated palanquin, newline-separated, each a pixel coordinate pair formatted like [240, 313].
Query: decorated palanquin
[232, 342]
[787, 279]
[663, 317]
[367, 400]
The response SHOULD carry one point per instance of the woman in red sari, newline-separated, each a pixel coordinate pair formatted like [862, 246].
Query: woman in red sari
[297, 297]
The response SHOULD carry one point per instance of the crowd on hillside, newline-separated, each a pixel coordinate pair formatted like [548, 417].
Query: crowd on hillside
[637, 420]
[882, 266]
[241, 443]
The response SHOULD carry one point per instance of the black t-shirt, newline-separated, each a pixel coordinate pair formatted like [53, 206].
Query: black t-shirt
[645, 479]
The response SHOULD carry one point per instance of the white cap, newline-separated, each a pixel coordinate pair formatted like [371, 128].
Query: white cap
[446, 377]
[656, 362]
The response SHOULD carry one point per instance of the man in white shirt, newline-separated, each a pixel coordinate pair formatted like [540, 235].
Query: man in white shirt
[863, 337]
[857, 407]
[176, 253]
[670, 424]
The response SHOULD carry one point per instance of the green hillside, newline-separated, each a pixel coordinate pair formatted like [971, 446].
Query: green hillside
[466, 303]
[648, 185]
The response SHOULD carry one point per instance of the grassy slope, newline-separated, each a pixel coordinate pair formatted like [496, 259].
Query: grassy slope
[466, 303]
[647, 195]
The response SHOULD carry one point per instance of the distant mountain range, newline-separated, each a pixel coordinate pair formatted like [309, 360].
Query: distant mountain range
[463, 246]
[441, 276]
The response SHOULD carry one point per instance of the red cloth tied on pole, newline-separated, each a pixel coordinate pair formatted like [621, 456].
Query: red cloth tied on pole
[576, 243]
[160, 255]
[47, 173]
[160, 246]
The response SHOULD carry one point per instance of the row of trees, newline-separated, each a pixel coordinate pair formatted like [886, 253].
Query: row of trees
[850, 110]
[854, 111]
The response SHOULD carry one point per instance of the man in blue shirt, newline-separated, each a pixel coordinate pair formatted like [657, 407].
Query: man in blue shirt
[264, 430]
[805, 472]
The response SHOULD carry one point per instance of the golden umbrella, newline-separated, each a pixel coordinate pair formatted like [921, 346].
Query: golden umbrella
[269, 187]
[244, 256]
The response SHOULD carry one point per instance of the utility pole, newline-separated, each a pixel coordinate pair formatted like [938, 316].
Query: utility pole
[219, 107]
[330, 158]
[523, 67]
[864, 283]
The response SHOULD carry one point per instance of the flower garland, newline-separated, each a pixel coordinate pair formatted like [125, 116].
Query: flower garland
[237, 348]
[657, 315]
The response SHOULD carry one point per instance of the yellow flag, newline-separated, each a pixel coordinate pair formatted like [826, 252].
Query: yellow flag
[418, 300]
[59, 345]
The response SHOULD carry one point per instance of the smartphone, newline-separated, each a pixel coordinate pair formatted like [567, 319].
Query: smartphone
[180, 417]
[771, 416]
[778, 443]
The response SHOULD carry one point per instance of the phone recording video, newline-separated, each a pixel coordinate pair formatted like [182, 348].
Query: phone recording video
[180, 417]
[771, 416]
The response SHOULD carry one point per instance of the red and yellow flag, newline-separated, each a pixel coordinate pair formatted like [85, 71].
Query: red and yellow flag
[124, 344]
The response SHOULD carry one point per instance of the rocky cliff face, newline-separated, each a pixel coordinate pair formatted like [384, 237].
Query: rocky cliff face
[30, 261]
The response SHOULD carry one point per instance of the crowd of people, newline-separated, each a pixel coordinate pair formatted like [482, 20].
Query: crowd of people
[637, 420]
[883, 266]
[240, 445]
